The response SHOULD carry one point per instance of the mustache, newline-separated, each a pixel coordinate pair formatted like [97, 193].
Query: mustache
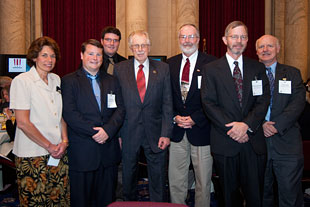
[238, 45]
[265, 53]
[187, 44]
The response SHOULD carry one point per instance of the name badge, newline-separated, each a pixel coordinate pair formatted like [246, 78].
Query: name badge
[285, 87]
[111, 101]
[53, 161]
[257, 87]
[199, 81]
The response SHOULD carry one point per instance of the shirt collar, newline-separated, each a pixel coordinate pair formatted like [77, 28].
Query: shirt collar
[145, 64]
[232, 60]
[192, 57]
[273, 67]
[90, 75]
[36, 77]
[106, 57]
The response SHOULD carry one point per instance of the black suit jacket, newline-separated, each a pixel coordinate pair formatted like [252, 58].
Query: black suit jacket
[105, 63]
[153, 117]
[81, 112]
[199, 134]
[286, 109]
[221, 104]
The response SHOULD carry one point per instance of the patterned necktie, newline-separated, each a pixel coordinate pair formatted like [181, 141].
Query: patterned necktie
[96, 89]
[111, 66]
[238, 81]
[271, 83]
[141, 83]
[185, 73]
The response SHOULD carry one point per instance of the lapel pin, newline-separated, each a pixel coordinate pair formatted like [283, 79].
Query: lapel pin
[198, 70]
[154, 71]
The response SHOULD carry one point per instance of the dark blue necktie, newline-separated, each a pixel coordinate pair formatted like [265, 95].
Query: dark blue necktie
[271, 83]
[96, 89]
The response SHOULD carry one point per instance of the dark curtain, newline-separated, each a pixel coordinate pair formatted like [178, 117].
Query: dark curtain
[215, 15]
[71, 22]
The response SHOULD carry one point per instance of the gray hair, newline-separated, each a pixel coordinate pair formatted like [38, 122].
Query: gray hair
[139, 32]
[192, 25]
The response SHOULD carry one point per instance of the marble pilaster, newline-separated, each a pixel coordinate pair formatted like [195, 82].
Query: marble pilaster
[296, 35]
[187, 13]
[12, 27]
[136, 17]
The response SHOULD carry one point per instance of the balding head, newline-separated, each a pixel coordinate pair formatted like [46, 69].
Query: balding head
[267, 48]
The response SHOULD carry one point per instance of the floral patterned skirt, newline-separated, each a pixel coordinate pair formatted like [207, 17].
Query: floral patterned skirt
[41, 185]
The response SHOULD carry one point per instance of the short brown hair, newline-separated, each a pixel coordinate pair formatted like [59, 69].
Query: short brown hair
[110, 29]
[90, 42]
[235, 24]
[36, 47]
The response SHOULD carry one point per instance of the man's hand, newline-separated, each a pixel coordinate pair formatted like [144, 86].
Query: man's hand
[185, 122]
[269, 129]
[243, 139]
[163, 142]
[238, 130]
[101, 136]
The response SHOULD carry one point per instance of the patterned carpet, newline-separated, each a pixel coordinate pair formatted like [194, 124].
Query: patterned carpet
[11, 198]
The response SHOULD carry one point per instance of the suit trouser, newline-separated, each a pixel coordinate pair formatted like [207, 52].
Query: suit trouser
[93, 188]
[180, 155]
[156, 167]
[245, 170]
[287, 171]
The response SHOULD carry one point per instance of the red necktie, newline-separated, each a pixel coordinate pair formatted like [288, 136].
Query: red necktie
[185, 73]
[238, 81]
[141, 83]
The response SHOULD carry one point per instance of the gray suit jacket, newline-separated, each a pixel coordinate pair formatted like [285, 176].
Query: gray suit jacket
[286, 109]
[153, 117]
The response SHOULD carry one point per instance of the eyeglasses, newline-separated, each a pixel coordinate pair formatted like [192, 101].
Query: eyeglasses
[191, 37]
[137, 46]
[236, 37]
[109, 40]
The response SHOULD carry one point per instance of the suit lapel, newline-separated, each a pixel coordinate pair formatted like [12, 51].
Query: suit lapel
[247, 82]
[196, 72]
[280, 74]
[153, 73]
[228, 81]
[132, 81]
[88, 88]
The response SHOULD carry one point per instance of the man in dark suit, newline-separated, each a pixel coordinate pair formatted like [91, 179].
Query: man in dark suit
[235, 95]
[94, 112]
[110, 40]
[146, 90]
[284, 144]
[190, 140]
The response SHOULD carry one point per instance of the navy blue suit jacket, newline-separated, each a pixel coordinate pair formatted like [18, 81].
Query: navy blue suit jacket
[199, 134]
[81, 113]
